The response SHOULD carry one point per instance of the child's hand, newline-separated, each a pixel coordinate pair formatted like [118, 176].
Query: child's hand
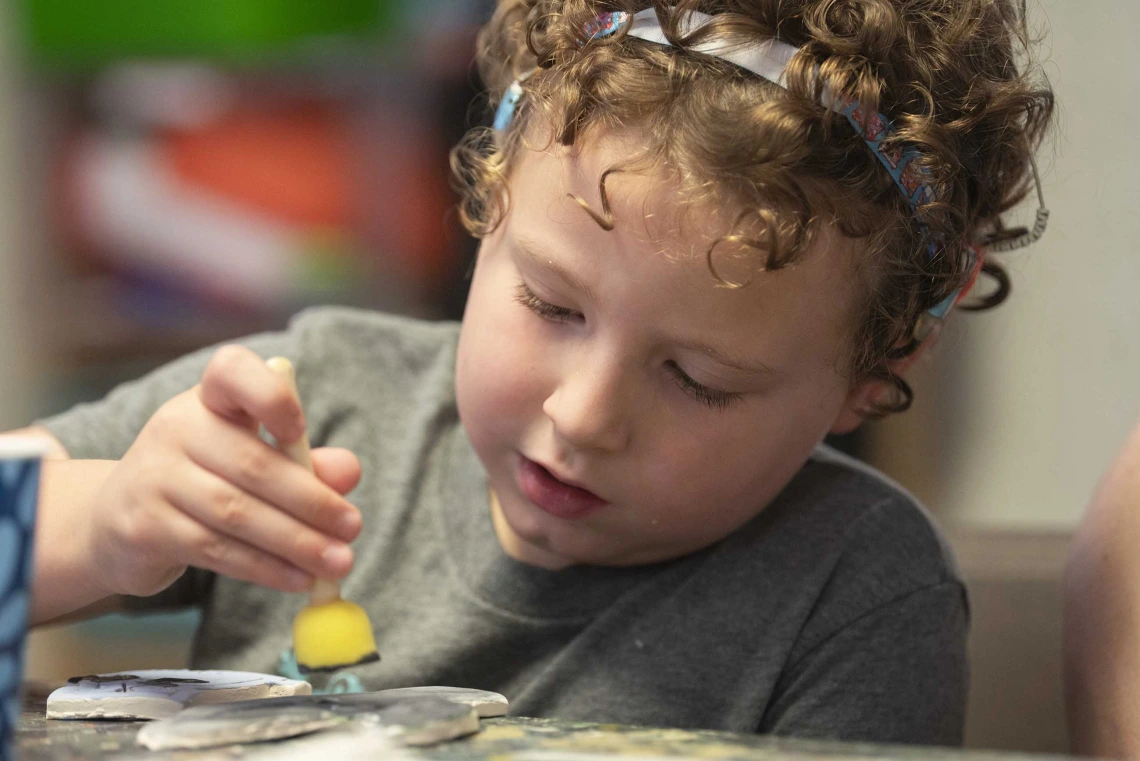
[199, 488]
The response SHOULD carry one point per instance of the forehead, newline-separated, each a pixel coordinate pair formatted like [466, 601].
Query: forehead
[649, 202]
[663, 236]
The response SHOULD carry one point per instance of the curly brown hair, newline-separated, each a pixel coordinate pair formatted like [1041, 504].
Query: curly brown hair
[952, 76]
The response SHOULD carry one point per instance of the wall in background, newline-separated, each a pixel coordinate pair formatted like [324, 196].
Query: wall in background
[1054, 376]
[1022, 408]
[1019, 410]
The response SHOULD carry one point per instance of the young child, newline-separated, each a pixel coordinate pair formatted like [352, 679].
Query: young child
[707, 241]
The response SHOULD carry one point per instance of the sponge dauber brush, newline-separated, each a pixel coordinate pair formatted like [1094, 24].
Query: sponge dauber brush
[329, 633]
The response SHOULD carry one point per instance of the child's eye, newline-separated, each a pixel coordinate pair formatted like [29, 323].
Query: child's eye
[710, 397]
[544, 309]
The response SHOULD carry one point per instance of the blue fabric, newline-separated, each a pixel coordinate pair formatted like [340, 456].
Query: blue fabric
[19, 487]
[506, 110]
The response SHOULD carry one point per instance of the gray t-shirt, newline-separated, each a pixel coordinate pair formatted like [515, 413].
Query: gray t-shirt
[836, 613]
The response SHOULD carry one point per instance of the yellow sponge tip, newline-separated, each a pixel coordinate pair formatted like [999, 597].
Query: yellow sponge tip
[333, 635]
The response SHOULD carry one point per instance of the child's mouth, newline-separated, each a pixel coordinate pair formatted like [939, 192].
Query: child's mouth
[559, 499]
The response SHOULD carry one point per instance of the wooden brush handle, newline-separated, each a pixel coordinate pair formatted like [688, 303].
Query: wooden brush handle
[323, 590]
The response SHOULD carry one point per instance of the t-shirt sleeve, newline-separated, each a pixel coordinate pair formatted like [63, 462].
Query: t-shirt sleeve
[896, 674]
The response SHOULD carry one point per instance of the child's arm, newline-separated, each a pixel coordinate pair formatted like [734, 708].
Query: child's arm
[198, 487]
[60, 586]
[1102, 616]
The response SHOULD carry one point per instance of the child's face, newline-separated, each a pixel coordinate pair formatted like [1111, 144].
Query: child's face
[614, 361]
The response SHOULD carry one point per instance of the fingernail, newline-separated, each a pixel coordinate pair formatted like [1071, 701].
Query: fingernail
[348, 526]
[337, 557]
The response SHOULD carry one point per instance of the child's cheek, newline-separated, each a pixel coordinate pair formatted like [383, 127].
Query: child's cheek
[493, 379]
[515, 388]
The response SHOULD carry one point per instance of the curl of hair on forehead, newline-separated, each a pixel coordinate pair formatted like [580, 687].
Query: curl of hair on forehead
[954, 77]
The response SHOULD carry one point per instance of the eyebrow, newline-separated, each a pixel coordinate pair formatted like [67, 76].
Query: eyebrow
[540, 256]
[728, 360]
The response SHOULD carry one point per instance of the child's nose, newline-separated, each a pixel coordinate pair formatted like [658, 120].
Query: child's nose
[588, 409]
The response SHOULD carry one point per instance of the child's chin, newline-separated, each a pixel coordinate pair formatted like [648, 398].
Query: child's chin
[550, 541]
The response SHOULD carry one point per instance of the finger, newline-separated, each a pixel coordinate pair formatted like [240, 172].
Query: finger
[239, 386]
[191, 543]
[234, 513]
[244, 460]
[339, 468]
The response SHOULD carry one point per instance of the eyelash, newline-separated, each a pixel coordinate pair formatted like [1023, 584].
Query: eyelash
[544, 309]
[709, 397]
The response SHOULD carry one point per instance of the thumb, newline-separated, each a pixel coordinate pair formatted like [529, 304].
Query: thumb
[337, 467]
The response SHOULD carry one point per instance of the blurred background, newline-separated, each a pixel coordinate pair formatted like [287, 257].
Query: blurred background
[181, 173]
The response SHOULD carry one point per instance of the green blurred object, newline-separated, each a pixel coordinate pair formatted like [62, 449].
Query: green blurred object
[71, 33]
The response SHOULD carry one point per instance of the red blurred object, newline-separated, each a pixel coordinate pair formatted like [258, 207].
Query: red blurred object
[293, 165]
[266, 205]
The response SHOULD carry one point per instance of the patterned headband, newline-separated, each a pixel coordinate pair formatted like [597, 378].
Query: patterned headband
[769, 60]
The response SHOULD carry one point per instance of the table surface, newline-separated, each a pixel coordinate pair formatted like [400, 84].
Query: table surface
[502, 739]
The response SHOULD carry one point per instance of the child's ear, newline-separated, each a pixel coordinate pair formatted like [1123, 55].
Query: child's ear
[864, 395]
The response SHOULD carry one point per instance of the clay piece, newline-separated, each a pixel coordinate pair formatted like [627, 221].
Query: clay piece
[488, 704]
[216, 725]
[406, 720]
[353, 741]
[161, 693]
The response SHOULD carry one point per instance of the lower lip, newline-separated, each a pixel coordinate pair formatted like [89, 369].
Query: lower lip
[551, 495]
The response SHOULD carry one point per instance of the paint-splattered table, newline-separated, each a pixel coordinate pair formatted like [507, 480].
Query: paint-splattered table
[504, 739]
